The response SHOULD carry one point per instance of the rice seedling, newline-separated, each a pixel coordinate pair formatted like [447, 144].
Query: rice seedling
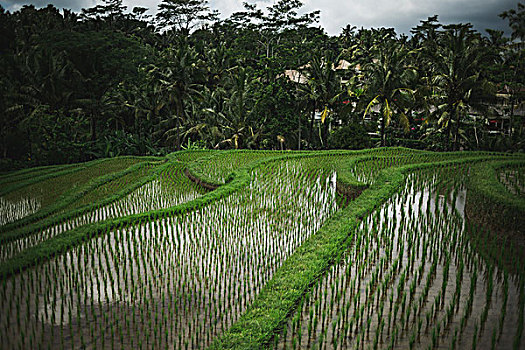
[169, 189]
[513, 178]
[408, 274]
[51, 188]
[30, 173]
[216, 168]
[187, 277]
[13, 210]
[421, 226]
[112, 187]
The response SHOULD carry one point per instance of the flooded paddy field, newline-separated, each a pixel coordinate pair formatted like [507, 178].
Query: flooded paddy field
[12, 210]
[412, 279]
[175, 282]
[413, 273]
[170, 188]
[218, 167]
[29, 199]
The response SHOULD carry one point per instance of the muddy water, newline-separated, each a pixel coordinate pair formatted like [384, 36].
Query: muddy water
[412, 280]
[12, 210]
[164, 192]
[176, 282]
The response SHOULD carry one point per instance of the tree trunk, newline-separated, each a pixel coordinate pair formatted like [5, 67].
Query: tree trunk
[312, 119]
[180, 112]
[177, 140]
[299, 131]
[456, 136]
[325, 128]
[449, 127]
[383, 136]
[93, 127]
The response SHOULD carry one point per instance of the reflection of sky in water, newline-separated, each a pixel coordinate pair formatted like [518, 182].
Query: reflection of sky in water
[418, 230]
[156, 194]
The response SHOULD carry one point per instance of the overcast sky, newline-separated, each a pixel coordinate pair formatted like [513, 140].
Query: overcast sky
[336, 14]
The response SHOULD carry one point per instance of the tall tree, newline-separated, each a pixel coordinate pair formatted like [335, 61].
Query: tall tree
[183, 15]
[110, 11]
[388, 78]
[458, 60]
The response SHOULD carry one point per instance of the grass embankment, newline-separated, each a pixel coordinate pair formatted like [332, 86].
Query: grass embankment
[279, 297]
[50, 187]
[69, 239]
[97, 194]
[29, 177]
[60, 191]
[269, 311]
[496, 217]
[31, 173]
[66, 240]
[490, 203]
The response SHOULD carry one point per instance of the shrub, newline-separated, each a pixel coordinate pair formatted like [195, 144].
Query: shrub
[352, 136]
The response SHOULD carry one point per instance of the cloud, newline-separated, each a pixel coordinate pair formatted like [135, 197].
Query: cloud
[400, 14]
[336, 14]
[405, 14]
[75, 5]
[149, 4]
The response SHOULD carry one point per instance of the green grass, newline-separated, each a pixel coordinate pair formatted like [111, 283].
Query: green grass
[30, 173]
[112, 187]
[377, 175]
[49, 190]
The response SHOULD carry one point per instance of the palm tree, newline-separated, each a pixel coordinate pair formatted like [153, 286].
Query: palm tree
[458, 80]
[239, 107]
[45, 91]
[145, 102]
[323, 87]
[177, 78]
[208, 124]
[388, 77]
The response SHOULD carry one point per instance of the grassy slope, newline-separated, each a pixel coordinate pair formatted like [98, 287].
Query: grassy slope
[49, 190]
[279, 297]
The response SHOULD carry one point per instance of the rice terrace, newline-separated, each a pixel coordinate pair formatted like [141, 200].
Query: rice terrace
[381, 248]
[262, 174]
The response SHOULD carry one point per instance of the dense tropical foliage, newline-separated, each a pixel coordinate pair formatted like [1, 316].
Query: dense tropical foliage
[109, 81]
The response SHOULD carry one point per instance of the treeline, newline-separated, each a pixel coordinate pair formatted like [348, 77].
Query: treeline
[108, 81]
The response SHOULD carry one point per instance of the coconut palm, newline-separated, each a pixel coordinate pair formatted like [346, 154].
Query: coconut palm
[323, 88]
[208, 122]
[388, 78]
[239, 107]
[458, 81]
[177, 78]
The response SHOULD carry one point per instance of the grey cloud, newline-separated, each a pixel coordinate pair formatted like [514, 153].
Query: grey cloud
[149, 4]
[405, 14]
[336, 14]
[76, 5]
